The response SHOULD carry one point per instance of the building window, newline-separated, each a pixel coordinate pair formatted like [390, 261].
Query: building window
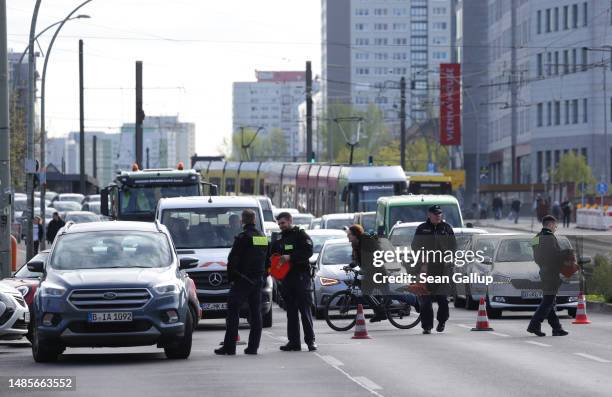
[585, 13]
[362, 41]
[362, 11]
[439, 25]
[380, 11]
[585, 110]
[585, 60]
[381, 41]
[549, 63]
[575, 111]
[557, 63]
[540, 66]
[566, 64]
[556, 20]
[539, 22]
[557, 112]
[574, 60]
[549, 113]
[567, 112]
[381, 26]
[360, 26]
[440, 55]
[400, 41]
[439, 10]
[574, 16]
[547, 20]
[540, 119]
[565, 17]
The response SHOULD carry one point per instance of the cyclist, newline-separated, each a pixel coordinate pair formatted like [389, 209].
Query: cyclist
[364, 246]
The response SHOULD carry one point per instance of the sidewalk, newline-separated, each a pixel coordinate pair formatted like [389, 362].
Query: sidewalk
[525, 225]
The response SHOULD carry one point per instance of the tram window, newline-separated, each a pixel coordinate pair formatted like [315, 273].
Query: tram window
[247, 186]
[230, 185]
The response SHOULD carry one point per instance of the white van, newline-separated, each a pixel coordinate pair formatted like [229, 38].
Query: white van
[204, 227]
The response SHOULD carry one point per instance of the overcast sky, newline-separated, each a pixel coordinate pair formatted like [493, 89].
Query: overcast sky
[192, 51]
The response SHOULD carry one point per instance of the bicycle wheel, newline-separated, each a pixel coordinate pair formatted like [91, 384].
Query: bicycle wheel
[341, 310]
[401, 314]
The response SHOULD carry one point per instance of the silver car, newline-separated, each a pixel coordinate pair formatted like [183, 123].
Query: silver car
[516, 282]
[329, 277]
[14, 313]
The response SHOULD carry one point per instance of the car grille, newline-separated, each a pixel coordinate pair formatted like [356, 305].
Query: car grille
[101, 299]
[20, 300]
[84, 327]
[521, 283]
[514, 300]
[20, 324]
[203, 280]
[8, 313]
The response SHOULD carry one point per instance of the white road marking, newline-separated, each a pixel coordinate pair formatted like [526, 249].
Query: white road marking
[278, 338]
[594, 358]
[464, 326]
[537, 343]
[368, 383]
[333, 361]
[499, 334]
[361, 381]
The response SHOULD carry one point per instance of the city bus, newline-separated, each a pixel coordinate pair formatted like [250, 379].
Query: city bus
[429, 183]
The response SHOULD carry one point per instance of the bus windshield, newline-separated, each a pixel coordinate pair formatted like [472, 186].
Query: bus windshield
[143, 199]
[369, 194]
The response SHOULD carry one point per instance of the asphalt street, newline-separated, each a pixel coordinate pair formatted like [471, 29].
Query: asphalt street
[459, 362]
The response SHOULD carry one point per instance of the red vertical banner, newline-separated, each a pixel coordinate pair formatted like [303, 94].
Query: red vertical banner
[450, 104]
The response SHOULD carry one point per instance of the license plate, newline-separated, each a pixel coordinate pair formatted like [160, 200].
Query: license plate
[214, 306]
[26, 317]
[109, 317]
[535, 294]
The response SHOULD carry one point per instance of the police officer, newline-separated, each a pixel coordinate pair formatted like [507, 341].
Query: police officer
[548, 255]
[246, 269]
[435, 237]
[295, 246]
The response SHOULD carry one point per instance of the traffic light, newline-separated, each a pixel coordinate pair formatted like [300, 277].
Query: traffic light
[312, 157]
[370, 160]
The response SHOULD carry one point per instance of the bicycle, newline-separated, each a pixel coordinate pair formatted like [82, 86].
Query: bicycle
[341, 309]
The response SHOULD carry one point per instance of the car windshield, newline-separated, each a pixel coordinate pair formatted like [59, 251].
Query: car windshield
[402, 236]
[20, 205]
[94, 207]
[267, 210]
[368, 222]
[76, 198]
[111, 249]
[143, 199]
[486, 246]
[205, 227]
[318, 241]
[514, 250]
[82, 218]
[337, 254]
[418, 213]
[302, 219]
[23, 272]
[338, 223]
[63, 206]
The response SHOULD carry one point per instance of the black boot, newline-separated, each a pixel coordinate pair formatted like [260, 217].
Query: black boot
[560, 332]
[290, 347]
[223, 352]
[535, 330]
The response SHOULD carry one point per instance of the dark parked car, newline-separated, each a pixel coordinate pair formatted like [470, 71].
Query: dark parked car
[112, 284]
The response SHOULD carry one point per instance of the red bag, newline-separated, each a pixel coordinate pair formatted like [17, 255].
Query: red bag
[418, 289]
[569, 266]
[279, 270]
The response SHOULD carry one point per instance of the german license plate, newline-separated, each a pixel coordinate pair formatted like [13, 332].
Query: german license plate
[214, 306]
[109, 317]
[531, 294]
[26, 317]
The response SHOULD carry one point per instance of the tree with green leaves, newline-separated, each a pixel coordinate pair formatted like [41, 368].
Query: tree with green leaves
[18, 142]
[573, 168]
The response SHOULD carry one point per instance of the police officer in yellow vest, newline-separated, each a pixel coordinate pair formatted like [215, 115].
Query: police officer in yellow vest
[547, 254]
[246, 269]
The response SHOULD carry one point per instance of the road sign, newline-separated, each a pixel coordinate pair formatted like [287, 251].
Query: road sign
[431, 167]
[602, 188]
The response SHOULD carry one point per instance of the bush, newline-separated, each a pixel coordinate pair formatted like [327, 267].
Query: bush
[602, 277]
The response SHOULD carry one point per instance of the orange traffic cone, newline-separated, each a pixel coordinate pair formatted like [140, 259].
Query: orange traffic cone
[581, 315]
[482, 321]
[360, 326]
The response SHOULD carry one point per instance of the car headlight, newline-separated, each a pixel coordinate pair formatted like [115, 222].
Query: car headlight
[326, 282]
[164, 289]
[52, 290]
[23, 289]
[499, 279]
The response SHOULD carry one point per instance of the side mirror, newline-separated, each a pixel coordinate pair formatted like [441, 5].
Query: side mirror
[469, 225]
[585, 260]
[104, 202]
[36, 266]
[188, 262]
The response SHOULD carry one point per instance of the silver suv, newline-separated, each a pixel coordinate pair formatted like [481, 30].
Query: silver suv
[112, 284]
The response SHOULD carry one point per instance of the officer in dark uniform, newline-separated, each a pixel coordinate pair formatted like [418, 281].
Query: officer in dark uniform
[548, 255]
[246, 269]
[434, 235]
[295, 246]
